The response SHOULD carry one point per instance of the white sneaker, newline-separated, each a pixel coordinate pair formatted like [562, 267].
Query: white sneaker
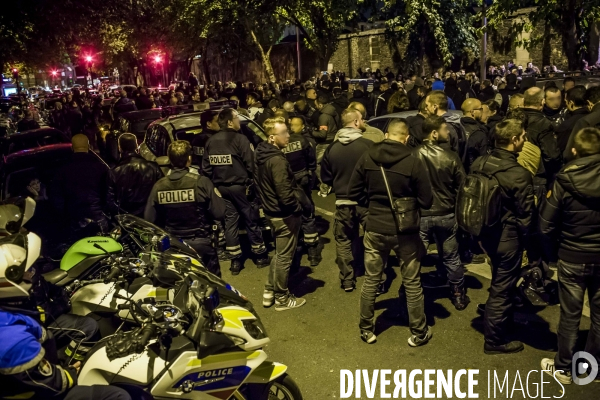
[549, 368]
[292, 302]
[268, 298]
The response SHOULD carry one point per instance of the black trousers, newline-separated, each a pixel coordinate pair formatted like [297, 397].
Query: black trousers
[207, 252]
[506, 253]
[75, 333]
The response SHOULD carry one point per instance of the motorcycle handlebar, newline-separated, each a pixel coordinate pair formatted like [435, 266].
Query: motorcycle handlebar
[148, 332]
[114, 273]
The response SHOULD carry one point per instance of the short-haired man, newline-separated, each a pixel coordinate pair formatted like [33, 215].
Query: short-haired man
[577, 108]
[516, 102]
[372, 133]
[553, 105]
[229, 162]
[406, 177]
[436, 103]
[187, 205]
[504, 241]
[446, 173]
[284, 203]
[540, 132]
[327, 127]
[131, 181]
[209, 122]
[473, 121]
[592, 97]
[336, 169]
[300, 154]
[570, 216]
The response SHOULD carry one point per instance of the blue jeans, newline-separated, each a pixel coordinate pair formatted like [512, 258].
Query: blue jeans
[573, 280]
[442, 229]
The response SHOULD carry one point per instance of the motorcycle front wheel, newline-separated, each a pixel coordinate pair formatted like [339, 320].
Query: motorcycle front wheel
[282, 388]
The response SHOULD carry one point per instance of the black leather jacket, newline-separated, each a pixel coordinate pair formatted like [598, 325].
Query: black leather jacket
[446, 174]
[130, 184]
[571, 213]
[540, 132]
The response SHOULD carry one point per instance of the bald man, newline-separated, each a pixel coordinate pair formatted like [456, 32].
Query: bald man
[80, 187]
[477, 133]
[516, 101]
[540, 132]
[337, 166]
[407, 178]
[371, 133]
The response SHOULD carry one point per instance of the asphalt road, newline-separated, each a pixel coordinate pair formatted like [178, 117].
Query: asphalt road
[321, 338]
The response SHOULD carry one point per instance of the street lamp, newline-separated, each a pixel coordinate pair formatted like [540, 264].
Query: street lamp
[54, 73]
[158, 60]
[88, 59]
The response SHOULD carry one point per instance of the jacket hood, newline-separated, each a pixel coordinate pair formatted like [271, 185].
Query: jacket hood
[438, 85]
[265, 151]
[580, 177]
[469, 121]
[389, 152]
[328, 109]
[349, 135]
[451, 117]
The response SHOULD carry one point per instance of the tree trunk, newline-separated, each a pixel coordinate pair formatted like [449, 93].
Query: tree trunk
[546, 46]
[266, 57]
[594, 44]
[569, 35]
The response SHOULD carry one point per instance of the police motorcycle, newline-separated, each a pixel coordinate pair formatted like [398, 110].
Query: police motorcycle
[193, 346]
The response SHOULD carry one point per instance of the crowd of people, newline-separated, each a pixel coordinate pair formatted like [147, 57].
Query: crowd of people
[538, 148]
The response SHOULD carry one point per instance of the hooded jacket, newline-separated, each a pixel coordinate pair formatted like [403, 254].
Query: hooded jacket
[340, 158]
[478, 142]
[329, 121]
[590, 120]
[563, 131]
[571, 213]
[406, 176]
[277, 188]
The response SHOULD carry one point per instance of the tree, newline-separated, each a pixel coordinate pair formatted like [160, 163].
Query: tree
[440, 30]
[573, 20]
[321, 23]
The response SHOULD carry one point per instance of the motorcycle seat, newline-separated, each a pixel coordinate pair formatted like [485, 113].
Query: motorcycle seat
[55, 276]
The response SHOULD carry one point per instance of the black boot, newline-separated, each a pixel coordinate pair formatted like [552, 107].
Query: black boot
[458, 295]
[314, 255]
[263, 260]
[236, 266]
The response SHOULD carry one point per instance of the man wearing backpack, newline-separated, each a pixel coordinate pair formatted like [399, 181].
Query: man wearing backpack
[509, 187]
[446, 174]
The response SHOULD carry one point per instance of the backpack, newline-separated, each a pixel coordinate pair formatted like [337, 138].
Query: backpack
[479, 200]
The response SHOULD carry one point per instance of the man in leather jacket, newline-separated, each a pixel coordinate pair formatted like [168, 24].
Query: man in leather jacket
[504, 242]
[284, 204]
[475, 131]
[131, 181]
[446, 174]
[540, 132]
[570, 216]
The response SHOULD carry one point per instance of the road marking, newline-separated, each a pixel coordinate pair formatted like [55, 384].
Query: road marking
[324, 211]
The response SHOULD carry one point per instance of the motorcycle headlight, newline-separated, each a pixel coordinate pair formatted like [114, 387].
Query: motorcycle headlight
[116, 233]
[255, 328]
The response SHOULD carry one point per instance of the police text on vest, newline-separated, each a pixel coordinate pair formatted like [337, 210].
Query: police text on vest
[176, 196]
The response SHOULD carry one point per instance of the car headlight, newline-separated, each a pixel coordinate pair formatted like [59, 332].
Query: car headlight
[255, 328]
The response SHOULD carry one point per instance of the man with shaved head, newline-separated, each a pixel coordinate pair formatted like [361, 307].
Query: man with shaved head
[406, 177]
[337, 166]
[478, 142]
[373, 134]
[540, 132]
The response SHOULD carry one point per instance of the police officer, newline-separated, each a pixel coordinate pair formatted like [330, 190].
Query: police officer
[229, 162]
[302, 158]
[187, 205]
[210, 126]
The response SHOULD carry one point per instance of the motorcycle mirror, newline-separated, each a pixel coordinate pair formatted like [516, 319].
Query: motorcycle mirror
[211, 299]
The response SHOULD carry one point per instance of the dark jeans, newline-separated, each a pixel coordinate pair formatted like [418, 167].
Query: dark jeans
[237, 204]
[207, 252]
[97, 392]
[285, 234]
[573, 280]
[346, 229]
[443, 229]
[75, 332]
[409, 249]
[506, 254]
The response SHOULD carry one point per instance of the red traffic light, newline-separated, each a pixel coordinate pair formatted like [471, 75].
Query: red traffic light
[54, 73]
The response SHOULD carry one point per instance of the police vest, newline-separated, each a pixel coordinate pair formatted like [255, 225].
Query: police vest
[294, 152]
[184, 213]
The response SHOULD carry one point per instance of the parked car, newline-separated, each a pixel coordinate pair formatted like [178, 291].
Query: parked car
[383, 121]
[32, 139]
